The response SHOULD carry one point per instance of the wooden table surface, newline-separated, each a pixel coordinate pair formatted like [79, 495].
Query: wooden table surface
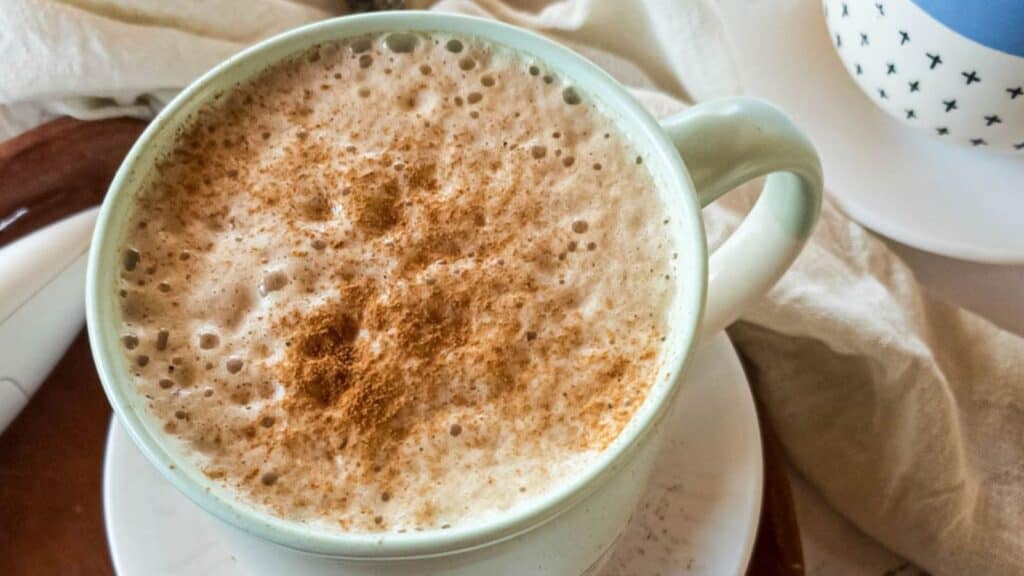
[51, 457]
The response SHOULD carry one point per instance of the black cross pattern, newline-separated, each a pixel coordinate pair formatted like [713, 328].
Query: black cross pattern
[934, 61]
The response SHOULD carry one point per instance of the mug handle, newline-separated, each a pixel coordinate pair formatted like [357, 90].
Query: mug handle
[725, 143]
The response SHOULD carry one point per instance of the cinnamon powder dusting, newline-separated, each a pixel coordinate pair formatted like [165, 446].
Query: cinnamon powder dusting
[385, 313]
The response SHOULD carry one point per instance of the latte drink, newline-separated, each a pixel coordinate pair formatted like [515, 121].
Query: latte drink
[395, 283]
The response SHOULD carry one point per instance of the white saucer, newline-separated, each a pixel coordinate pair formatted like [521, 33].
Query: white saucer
[957, 202]
[700, 514]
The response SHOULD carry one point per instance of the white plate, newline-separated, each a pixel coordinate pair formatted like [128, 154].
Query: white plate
[700, 514]
[954, 201]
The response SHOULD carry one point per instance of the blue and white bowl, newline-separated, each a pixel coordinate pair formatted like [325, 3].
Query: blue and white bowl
[953, 68]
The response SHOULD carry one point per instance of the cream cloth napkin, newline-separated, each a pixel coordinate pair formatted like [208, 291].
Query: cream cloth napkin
[904, 412]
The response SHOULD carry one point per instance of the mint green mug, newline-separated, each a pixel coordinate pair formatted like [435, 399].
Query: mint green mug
[694, 157]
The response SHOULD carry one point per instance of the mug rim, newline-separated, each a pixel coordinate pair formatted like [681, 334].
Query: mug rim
[230, 506]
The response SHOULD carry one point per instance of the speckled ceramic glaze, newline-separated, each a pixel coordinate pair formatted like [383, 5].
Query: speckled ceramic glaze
[569, 530]
[952, 68]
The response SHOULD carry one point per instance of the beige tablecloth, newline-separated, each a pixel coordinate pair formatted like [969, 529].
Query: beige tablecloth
[904, 413]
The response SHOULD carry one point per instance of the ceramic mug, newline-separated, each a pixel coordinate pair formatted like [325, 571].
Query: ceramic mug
[694, 157]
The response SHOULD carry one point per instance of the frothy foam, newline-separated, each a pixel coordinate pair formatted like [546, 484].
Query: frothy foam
[397, 283]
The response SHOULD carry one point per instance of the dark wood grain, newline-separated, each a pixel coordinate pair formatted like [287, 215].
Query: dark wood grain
[51, 457]
[60, 168]
[778, 550]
